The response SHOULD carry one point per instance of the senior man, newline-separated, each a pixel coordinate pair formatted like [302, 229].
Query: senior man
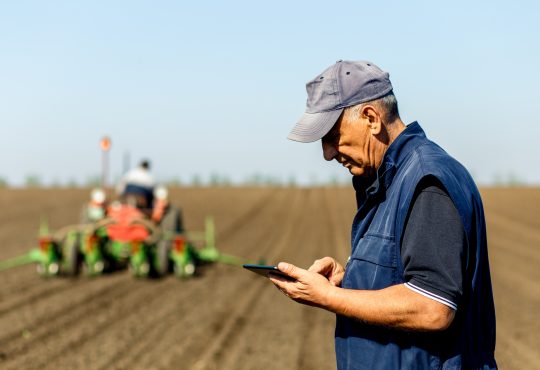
[416, 290]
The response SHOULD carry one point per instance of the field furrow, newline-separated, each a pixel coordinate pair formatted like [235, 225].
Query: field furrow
[228, 318]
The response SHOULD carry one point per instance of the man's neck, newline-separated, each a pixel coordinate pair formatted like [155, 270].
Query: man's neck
[394, 129]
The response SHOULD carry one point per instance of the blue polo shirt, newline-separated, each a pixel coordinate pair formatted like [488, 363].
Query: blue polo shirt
[376, 263]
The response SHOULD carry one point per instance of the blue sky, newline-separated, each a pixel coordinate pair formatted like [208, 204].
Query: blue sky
[214, 87]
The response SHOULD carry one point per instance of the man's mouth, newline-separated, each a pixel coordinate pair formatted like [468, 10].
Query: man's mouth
[347, 164]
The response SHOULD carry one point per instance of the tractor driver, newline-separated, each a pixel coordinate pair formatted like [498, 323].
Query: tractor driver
[137, 186]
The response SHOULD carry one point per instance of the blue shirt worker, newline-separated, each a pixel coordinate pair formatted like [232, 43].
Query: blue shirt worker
[416, 291]
[139, 184]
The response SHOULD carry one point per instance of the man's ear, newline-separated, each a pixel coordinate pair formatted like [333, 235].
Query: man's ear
[373, 118]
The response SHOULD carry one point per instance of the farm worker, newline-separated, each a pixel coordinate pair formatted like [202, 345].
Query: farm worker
[164, 213]
[95, 209]
[138, 183]
[416, 291]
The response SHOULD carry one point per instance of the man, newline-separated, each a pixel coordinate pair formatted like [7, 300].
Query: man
[138, 184]
[416, 290]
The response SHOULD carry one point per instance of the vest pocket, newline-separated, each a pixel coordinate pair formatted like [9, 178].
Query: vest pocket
[373, 264]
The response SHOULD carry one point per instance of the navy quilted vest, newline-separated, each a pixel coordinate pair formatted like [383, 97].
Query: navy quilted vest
[375, 263]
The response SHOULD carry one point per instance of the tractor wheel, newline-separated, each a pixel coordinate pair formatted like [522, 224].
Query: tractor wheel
[53, 268]
[72, 257]
[144, 269]
[163, 250]
[172, 221]
[94, 269]
[140, 271]
[41, 269]
[184, 270]
[189, 269]
[179, 270]
[48, 270]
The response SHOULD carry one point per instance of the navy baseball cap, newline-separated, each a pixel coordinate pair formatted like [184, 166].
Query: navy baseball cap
[341, 85]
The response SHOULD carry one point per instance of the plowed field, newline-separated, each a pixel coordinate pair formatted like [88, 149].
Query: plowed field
[228, 318]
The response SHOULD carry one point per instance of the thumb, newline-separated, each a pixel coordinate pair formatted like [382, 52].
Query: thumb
[290, 269]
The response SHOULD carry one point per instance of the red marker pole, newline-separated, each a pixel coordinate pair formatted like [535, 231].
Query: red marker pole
[105, 145]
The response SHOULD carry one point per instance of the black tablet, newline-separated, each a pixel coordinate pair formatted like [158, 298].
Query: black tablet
[265, 270]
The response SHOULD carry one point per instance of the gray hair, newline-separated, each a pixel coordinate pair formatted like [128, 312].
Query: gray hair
[387, 104]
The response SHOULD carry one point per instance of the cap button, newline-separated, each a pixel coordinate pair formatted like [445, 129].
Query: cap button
[339, 61]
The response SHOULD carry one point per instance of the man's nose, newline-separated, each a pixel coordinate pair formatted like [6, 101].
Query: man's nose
[329, 151]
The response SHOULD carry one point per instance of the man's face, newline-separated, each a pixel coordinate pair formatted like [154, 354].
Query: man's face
[351, 143]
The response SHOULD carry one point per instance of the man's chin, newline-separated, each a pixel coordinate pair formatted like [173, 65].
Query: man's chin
[357, 171]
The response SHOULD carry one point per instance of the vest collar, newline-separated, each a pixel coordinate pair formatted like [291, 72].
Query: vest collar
[396, 153]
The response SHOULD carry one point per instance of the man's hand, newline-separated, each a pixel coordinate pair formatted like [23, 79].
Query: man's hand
[309, 287]
[395, 306]
[329, 268]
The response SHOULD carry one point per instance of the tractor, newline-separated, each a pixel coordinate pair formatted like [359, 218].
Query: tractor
[121, 235]
[147, 242]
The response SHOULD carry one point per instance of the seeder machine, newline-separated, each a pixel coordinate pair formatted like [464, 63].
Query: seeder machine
[120, 236]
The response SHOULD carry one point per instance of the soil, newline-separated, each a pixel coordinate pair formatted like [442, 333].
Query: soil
[226, 317]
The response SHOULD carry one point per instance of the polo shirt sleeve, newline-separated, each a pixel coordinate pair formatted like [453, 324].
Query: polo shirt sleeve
[433, 245]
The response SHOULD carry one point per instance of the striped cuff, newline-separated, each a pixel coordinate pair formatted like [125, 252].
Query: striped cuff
[430, 295]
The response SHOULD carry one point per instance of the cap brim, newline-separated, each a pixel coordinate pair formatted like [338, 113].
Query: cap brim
[313, 126]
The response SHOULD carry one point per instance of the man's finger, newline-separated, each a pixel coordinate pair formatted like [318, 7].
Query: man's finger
[322, 266]
[280, 289]
[290, 270]
[317, 266]
[280, 282]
